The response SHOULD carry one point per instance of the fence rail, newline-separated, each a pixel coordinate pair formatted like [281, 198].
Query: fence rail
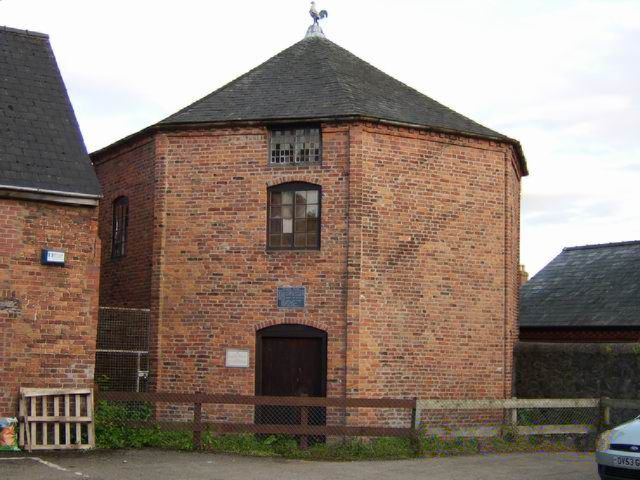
[307, 418]
[299, 416]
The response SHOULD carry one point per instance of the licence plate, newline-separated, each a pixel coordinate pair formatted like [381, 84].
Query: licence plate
[629, 462]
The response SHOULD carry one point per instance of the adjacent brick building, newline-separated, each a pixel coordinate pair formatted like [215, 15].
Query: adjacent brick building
[48, 203]
[588, 293]
[317, 227]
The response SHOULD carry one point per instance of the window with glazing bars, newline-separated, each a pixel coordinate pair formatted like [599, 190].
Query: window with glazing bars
[294, 145]
[294, 216]
[120, 226]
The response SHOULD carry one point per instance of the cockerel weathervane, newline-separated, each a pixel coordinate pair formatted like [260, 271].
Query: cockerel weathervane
[317, 15]
[315, 30]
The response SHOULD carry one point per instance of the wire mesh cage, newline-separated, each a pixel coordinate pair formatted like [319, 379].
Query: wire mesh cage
[122, 350]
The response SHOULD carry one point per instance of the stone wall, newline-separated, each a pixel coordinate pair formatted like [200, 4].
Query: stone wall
[577, 370]
[48, 314]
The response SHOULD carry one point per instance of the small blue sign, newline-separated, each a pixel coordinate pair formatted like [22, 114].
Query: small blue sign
[291, 297]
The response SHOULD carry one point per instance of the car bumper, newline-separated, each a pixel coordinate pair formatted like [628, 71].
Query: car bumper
[610, 468]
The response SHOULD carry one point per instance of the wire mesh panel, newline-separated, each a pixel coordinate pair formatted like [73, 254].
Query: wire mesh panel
[619, 411]
[476, 418]
[122, 353]
[308, 420]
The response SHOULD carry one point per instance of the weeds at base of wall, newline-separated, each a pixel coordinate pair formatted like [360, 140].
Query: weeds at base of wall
[111, 433]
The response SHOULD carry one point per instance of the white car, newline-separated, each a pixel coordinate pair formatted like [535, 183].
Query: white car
[618, 452]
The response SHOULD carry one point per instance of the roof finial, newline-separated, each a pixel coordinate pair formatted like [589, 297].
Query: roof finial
[315, 30]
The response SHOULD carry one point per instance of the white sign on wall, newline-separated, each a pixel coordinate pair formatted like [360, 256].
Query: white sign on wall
[237, 358]
[52, 257]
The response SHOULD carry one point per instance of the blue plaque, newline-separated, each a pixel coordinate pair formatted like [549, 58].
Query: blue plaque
[291, 297]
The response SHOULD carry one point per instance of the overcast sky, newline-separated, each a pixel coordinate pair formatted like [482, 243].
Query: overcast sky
[563, 77]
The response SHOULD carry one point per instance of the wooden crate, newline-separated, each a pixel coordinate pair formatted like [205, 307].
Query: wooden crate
[56, 419]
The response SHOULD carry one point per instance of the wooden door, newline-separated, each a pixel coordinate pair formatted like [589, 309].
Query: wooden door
[292, 367]
[291, 361]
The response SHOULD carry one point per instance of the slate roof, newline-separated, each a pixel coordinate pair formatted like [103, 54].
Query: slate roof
[317, 79]
[587, 286]
[41, 147]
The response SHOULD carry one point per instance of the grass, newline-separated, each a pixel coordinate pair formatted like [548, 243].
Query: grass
[112, 432]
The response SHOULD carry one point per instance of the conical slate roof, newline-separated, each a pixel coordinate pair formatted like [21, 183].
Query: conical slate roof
[317, 79]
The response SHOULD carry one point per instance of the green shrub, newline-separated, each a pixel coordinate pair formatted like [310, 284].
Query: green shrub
[114, 430]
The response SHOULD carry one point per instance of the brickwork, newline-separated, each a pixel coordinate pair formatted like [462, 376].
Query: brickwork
[216, 280]
[439, 239]
[415, 282]
[48, 314]
[128, 171]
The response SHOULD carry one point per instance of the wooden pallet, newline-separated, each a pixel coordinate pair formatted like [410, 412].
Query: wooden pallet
[56, 419]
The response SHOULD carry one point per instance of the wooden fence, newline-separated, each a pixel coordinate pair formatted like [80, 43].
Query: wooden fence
[511, 405]
[303, 428]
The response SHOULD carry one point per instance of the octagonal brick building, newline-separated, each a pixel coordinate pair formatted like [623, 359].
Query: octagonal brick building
[316, 227]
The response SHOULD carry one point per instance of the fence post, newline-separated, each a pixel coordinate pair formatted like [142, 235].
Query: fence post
[415, 420]
[197, 423]
[304, 420]
[514, 415]
[605, 417]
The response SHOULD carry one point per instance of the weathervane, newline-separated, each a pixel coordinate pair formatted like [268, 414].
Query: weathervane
[315, 30]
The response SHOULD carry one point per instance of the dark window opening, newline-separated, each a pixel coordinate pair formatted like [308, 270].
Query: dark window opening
[294, 145]
[120, 226]
[294, 216]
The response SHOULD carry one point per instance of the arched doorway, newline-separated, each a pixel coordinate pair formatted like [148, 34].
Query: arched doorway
[291, 360]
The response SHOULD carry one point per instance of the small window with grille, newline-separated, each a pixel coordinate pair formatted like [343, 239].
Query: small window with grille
[120, 226]
[294, 217]
[299, 145]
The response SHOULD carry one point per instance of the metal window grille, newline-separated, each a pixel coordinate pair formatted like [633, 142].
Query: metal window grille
[295, 145]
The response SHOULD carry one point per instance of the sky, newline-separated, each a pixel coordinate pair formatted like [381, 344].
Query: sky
[562, 77]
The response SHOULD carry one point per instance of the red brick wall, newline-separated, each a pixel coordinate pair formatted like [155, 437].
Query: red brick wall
[128, 171]
[216, 281]
[438, 266]
[416, 278]
[580, 335]
[48, 314]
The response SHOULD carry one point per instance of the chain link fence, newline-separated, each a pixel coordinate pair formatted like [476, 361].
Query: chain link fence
[481, 418]
[122, 349]
[307, 420]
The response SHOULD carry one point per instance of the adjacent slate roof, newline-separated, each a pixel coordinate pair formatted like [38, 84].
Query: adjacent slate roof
[41, 147]
[587, 286]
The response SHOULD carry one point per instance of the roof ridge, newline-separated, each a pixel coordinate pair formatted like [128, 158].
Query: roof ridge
[30, 33]
[347, 91]
[601, 245]
[415, 90]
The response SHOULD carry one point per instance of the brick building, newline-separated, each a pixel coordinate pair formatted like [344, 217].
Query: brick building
[588, 293]
[317, 227]
[49, 247]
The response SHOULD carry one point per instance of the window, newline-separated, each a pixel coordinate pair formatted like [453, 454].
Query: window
[295, 145]
[120, 225]
[294, 216]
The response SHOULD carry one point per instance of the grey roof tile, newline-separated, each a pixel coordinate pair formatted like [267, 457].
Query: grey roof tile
[41, 146]
[315, 78]
[587, 286]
